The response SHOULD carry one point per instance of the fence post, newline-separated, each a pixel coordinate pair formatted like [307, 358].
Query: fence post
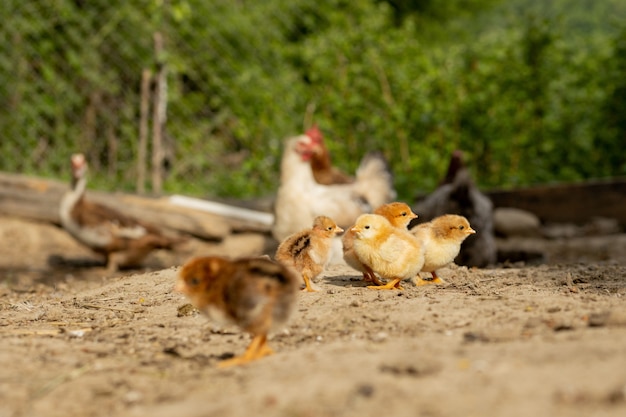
[142, 146]
[160, 115]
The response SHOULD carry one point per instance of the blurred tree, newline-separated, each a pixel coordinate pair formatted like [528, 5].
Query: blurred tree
[532, 91]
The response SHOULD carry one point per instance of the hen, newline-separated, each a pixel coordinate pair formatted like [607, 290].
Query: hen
[300, 198]
[390, 252]
[458, 195]
[256, 294]
[324, 171]
[398, 214]
[308, 251]
[442, 238]
[123, 240]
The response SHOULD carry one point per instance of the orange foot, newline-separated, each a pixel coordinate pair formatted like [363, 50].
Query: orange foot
[307, 284]
[256, 350]
[394, 284]
[434, 280]
[370, 276]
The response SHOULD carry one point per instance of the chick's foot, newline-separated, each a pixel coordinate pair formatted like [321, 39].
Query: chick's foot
[394, 284]
[434, 280]
[257, 349]
[308, 287]
[371, 277]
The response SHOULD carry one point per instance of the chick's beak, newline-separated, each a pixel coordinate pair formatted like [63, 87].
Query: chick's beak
[338, 229]
[355, 229]
[471, 231]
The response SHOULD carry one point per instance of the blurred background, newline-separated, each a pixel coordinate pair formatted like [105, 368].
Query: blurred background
[196, 97]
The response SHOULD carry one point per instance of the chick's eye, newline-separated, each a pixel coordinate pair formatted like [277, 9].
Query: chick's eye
[329, 228]
[461, 227]
[404, 214]
[194, 281]
[366, 227]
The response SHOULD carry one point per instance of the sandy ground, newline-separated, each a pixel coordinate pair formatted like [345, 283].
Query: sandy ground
[521, 340]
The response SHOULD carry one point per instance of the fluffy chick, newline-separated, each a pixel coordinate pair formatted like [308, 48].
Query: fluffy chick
[390, 252]
[398, 214]
[442, 238]
[308, 251]
[254, 293]
[459, 195]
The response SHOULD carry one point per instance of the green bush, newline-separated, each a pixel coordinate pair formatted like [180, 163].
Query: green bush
[533, 92]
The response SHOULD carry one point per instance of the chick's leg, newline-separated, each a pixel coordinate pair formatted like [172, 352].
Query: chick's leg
[370, 276]
[307, 284]
[394, 284]
[257, 349]
[434, 280]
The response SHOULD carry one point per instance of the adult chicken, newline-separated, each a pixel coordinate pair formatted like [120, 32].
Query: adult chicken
[324, 171]
[300, 198]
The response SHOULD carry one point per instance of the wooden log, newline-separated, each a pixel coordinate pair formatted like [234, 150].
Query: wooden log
[30, 198]
[39, 199]
[577, 203]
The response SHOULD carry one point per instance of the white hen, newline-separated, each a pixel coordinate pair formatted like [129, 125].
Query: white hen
[300, 198]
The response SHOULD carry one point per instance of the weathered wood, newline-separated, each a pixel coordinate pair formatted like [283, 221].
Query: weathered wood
[142, 145]
[39, 199]
[159, 116]
[577, 203]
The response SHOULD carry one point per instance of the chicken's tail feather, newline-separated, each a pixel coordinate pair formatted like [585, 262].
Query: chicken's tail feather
[374, 180]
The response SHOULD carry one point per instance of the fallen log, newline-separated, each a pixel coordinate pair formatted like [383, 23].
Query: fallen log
[39, 199]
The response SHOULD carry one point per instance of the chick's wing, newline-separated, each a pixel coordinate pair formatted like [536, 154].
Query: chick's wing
[394, 246]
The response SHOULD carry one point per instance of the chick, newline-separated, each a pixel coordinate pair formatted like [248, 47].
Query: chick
[459, 195]
[399, 215]
[392, 253]
[308, 251]
[442, 238]
[254, 293]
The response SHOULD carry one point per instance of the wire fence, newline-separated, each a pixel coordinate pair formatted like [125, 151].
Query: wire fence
[127, 84]
[196, 97]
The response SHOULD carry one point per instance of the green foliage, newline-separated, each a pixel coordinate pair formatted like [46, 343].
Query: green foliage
[531, 91]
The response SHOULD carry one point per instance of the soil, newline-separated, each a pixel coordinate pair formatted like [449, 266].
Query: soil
[546, 339]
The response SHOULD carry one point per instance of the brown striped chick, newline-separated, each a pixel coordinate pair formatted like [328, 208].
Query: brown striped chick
[399, 215]
[392, 253]
[442, 238]
[308, 251]
[254, 293]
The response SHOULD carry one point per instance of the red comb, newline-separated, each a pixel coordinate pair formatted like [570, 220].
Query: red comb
[315, 134]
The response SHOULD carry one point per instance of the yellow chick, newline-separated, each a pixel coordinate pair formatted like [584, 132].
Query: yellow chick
[398, 214]
[254, 293]
[442, 238]
[308, 251]
[392, 253]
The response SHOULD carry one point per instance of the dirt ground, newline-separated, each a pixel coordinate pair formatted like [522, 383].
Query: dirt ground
[518, 340]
